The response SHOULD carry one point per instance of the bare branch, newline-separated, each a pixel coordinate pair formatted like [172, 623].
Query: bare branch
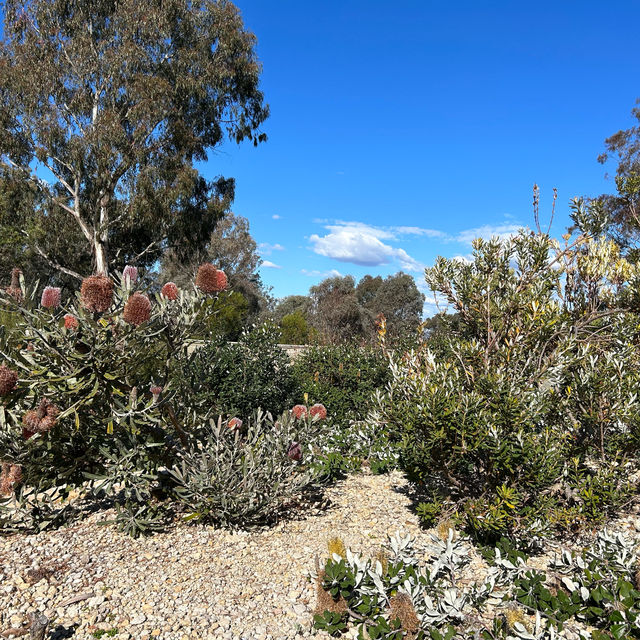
[56, 265]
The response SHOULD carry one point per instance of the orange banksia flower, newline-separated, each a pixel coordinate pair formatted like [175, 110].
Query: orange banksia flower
[299, 411]
[50, 298]
[137, 310]
[10, 478]
[318, 410]
[14, 289]
[235, 424]
[8, 380]
[70, 322]
[170, 291]
[42, 419]
[96, 293]
[209, 279]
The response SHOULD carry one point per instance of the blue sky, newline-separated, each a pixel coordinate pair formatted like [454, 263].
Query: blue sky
[401, 130]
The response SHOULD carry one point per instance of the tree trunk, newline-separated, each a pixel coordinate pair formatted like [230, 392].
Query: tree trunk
[100, 237]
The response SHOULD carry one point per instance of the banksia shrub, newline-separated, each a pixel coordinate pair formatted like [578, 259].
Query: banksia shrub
[41, 419]
[10, 478]
[325, 601]
[50, 298]
[169, 291]
[295, 452]
[14, 289]
[96, 293]
[130, 274]
[299, 411]
[210, 280]
[70, 322]
[8, 380]
[137, 309]
[318, 410]
[401, 608]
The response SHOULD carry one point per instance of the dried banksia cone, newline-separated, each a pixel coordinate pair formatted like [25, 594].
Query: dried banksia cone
[14, 289]
[96, 293]
[209, 279]
[50, 298]
[299, 411]
[401, 608]
[170, 291]
[234, 424]
[10, 478]
[336, 545]
[130, 274]
[318, 410]
[41, 419]
[638, 576]
[70, 322]
[325, 601]
[295, 452]
[8, 380]
[137, 310]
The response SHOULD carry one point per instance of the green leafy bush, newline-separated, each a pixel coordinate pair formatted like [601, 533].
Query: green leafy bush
[342, 377]
[528, 416]
[222, 378]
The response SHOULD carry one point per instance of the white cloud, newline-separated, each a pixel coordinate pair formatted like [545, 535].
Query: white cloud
[270, 265]
[419, 231]
[332, 273]
[275, 216]
[488, 231]
[266, 249]
[361, 244]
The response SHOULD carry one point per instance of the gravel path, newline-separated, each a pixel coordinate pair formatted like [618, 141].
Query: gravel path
[201, 582]
[193, 582]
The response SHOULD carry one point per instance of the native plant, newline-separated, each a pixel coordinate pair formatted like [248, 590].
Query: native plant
[529, 416]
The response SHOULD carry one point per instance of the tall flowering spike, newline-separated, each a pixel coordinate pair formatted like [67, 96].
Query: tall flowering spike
[8, 380]
[14, 289]
[137, 310]
[10, 478]
[299, 411]
[96, 293]
[70, 322]
[50, 298]
[130, 274]
[209, 279]
[170, 291]
[295, 452]
[155, 392]
[318, 410]
[41, 419]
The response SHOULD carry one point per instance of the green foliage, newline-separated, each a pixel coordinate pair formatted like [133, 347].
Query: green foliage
[231, 311]
[294, 328]
[342, 377]
[527, 413]
[220, 378]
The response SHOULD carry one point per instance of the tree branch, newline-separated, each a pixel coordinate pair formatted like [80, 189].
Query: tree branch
[56, 265]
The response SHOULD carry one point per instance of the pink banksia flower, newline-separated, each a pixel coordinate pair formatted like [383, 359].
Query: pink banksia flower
[14, 289]
[41, 419]
[8, 380]
[155, 392]
[295, 452]
[70, 322]
[234, 424]
[299, 411]
[130, 274]
[96, 293]
[50, 298]
[209, 279]
[137, 310]
[318, 410]
[10, 478]
[170, 291]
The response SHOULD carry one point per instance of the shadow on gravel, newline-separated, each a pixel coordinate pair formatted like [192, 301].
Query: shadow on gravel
[61, 632]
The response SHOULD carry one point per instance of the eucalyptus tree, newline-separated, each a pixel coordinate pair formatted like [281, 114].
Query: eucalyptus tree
[105, 107]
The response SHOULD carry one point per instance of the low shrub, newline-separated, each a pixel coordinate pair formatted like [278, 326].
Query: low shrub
[222, 378]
